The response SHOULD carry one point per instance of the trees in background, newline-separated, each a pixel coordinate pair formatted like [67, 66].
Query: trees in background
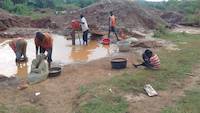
[8, 5]
[190, 8]
[23, 7]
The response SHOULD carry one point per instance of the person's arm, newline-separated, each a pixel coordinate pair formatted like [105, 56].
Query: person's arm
[146, 58]
[36, 46]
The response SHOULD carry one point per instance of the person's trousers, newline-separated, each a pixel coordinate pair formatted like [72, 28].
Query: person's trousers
[112, 29]
[21, 49]
[85, 36]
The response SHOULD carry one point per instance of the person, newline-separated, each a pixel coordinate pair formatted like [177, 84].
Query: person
[39, 70]
[85, 29]
[112, 25]
[19, 46]
[43, 43]
[151, 60]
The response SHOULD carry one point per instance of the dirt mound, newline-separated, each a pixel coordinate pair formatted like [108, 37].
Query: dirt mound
[129, 15]
[8, 20]
[43, 23]
[172, 17]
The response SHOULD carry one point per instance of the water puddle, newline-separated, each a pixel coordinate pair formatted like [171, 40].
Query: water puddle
[63, 53]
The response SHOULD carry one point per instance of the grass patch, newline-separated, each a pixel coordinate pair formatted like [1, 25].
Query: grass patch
[19, 109]
[3, 109]
[28, 109]
[104, 104]
[174, 66]
[36, 15]
[189, 104]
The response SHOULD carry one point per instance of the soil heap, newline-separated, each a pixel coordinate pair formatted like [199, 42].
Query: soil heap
[8, 20]
[129, 15]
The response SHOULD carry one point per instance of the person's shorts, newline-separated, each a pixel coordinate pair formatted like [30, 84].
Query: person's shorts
[112, 29]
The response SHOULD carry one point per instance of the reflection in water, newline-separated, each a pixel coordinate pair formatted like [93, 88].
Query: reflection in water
[81, 53]
[22, 70]
[63, 53]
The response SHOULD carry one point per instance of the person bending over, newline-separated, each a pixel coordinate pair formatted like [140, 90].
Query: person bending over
[44, 42]
[151, 60]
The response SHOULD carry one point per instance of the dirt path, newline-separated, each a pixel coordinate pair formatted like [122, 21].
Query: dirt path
[57, 95]
[190, 30]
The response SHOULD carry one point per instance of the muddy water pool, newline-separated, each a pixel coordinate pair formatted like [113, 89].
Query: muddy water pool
[63, 53]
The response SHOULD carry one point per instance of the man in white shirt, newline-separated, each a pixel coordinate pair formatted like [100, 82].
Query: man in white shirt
[85, 29]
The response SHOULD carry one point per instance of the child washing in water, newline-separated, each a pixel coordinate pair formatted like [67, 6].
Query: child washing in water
[151, 60]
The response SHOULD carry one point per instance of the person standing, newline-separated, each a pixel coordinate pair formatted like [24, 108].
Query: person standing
[112, 25]
[43, 43]
[19, 46]
[85, 29]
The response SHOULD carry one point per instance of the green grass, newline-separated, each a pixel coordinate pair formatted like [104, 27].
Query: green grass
[19, 109]
[36, 15]
[189, 104]
[174, 66]
[3, 109]
[28, 109]
[104, 104]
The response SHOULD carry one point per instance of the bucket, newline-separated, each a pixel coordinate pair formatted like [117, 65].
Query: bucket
[123, 46]
[54, 71]
[75, 24]
[119, 63]
[106, 41]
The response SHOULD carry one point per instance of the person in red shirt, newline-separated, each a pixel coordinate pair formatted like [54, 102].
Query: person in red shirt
[19, 46]
[44, 42]
[151, 60]
[112, 25]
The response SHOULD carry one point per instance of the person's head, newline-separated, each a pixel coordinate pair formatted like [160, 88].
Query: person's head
[111, 13]
[40, 36]
[81, 16]
[149, 53]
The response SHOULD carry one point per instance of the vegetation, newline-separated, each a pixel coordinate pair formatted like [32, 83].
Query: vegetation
[190, 8]
[19, 109]
[189, 104]
[174, 66]
[26, 7]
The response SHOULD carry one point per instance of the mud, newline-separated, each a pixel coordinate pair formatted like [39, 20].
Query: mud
[63, 53]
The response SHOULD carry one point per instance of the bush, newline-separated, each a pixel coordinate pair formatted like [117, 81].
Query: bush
[22, 9]
[8, 5]
[160, 31]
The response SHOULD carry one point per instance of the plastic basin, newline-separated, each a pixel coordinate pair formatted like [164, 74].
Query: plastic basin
[54, 71]
[119, 63]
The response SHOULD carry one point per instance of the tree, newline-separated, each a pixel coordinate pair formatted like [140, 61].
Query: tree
[19, 1]
[8, 5]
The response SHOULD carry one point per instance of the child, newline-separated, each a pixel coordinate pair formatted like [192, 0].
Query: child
[151, 60]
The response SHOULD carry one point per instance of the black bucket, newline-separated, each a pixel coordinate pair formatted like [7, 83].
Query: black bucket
[119, 63]
[54, 71]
